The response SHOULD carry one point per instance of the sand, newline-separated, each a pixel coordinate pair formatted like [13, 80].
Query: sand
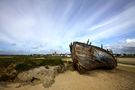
[121, 78]
[126, 60]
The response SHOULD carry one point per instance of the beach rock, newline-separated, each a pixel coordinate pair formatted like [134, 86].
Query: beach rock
[63, 68]
[46, 74]
[59, 69]
[25, 76]
[38, 73]
[48, 81]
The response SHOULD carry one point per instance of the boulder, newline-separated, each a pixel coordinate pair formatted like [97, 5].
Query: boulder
[25, 76]
[46, 74]
[38, 73]
[48, 81]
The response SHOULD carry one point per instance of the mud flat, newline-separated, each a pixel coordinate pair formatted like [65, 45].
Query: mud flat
[121, 78]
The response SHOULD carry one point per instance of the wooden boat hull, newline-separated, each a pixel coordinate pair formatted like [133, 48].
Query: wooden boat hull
[87, 57]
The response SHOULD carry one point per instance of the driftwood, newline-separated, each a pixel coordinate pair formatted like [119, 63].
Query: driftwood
[87, 57]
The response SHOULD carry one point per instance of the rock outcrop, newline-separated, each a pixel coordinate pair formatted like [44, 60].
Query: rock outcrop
[45, 74]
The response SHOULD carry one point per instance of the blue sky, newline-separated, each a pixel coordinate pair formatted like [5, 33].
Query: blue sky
[45, 26]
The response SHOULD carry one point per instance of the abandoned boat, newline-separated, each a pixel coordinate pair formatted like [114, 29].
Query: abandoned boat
[87, 57]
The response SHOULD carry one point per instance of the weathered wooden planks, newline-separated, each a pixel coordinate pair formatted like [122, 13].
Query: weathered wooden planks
[87, 57]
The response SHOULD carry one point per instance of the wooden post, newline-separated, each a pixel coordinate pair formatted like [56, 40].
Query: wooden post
[102, 46]
[88, 42]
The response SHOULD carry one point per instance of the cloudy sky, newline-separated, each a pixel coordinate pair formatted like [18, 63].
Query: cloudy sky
[45, 26]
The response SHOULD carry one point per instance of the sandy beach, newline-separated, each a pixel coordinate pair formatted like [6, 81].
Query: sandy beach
[121, 78]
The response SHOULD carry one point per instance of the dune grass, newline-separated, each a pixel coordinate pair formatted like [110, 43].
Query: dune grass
[27, 62]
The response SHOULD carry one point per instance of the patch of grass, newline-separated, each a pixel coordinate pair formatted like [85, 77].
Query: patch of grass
[51, 62]
[21, 67]
[6, 62]
[26, 65]
[28, 62]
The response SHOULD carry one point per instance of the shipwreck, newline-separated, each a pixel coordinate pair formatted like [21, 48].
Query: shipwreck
[86, 57]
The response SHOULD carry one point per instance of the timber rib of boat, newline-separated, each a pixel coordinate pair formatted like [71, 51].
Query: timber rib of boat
[87, 57]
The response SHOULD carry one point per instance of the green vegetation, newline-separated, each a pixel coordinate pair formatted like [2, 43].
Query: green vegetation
[124, 55]
[23, 62]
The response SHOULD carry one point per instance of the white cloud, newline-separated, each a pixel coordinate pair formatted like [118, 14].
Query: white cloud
[50, 25]
[124, 46]
[117, 25]
[130, 42]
